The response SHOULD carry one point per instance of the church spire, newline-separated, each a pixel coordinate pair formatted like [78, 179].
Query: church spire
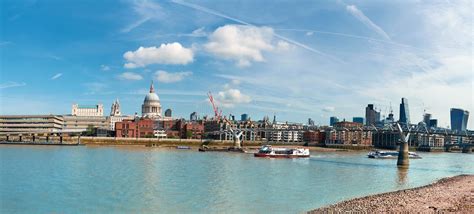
[152, 90]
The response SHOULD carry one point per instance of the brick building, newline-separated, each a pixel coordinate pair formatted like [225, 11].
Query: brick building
[137, 128]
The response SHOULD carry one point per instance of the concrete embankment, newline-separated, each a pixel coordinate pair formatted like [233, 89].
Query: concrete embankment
[160, 142]
[454, 194]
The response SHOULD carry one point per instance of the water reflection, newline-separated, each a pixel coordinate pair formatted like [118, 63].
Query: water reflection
[402, 175]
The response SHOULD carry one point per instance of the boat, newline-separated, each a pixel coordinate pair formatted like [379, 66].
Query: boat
[205, 148]
[279, 152]
[391, 155]
[183, 147]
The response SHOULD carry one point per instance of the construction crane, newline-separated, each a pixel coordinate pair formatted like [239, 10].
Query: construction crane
[217, 111]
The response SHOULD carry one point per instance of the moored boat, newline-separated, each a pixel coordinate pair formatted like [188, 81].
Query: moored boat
[390, 155]
[278, 152]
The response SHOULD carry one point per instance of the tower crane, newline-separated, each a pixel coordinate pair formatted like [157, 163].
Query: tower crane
[217, 111]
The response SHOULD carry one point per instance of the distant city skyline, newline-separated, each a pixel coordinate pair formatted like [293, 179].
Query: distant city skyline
[329, 58]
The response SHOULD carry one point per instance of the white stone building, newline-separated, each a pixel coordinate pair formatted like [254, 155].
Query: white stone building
[87, 110]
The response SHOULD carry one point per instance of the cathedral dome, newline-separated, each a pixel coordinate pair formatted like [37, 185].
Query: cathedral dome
[151, 107]
[151, 97]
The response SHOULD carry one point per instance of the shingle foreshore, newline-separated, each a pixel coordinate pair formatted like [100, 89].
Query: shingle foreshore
[453, 194]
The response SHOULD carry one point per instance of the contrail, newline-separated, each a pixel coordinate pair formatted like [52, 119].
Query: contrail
[213, 12]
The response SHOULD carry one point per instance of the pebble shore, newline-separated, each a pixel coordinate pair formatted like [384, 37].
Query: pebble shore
[454, 194]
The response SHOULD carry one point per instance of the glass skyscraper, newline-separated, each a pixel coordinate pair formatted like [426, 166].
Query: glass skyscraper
[333, 120]
[358, 120]
[459, 119]
[404, 112]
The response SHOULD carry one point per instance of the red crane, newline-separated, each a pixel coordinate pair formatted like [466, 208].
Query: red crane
[217, 111]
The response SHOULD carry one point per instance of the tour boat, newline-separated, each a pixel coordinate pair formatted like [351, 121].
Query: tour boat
[391, 155]
[278, 152]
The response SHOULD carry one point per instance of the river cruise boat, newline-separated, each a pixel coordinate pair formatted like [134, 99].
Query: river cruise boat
[278, 152]
[391, 155]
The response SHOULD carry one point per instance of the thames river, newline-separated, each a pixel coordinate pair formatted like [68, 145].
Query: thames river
[90, 179]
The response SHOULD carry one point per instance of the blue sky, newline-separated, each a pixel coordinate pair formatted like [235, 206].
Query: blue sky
[295, 59]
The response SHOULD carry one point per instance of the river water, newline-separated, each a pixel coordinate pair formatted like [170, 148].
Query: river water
[91, 179]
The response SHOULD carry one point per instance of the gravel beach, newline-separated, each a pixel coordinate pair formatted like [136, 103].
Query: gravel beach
[454, 194]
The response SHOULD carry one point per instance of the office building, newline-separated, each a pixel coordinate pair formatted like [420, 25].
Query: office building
[333, 120]
[30, 123]
[358, 120]
[168, 113]
[193, 116]
[244, 117]
[459, 119]
[372, 116]
[404, 112]
[310, 122]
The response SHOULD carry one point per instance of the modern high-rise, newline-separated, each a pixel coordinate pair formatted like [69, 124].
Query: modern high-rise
[244, 117]
[459, 119]
[333, 120]
[310, 122]
[168, 113]
[426, 119]
[372, 116]
[404, 112]
[358, 120]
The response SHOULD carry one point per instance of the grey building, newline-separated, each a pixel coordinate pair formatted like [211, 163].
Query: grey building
[372, 116]
[168, 113]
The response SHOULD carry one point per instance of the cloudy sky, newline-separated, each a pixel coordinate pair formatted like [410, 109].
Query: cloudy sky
[295, 59]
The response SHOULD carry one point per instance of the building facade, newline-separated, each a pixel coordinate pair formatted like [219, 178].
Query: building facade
[30, 123]
[136, 128]
[372, 116]
[358, 120]
[82, 123]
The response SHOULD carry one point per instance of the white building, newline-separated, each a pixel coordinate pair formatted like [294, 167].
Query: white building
[151, 107]
[87, 110]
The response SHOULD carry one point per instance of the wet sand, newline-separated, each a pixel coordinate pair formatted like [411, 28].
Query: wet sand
[454, 194]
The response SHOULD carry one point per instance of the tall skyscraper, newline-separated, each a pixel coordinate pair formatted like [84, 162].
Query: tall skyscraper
[372, 116]
[404, 112]
[333, 120]
[459, 119]
[310, 122]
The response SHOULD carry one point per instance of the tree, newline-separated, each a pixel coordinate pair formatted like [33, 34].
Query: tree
[90, 130]
[189, 134]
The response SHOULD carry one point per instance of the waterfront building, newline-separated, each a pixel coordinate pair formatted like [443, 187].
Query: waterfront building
[136, 128]
[87, 110]
[151, 107]
[193, 116]
[404, 112]
[459, 119]
[333, 120]
[358, 120]
[244, 117]
[82, 123]
[30, 123]
[313, 136]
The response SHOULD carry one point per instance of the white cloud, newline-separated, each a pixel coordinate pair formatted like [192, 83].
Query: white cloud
[229, 97]
[130, 76]
[105, 67]
[241, 43]
[11, 84]
[168, 77]
[171, 53]
[56, 76]
[309, 33]
[352, 9]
